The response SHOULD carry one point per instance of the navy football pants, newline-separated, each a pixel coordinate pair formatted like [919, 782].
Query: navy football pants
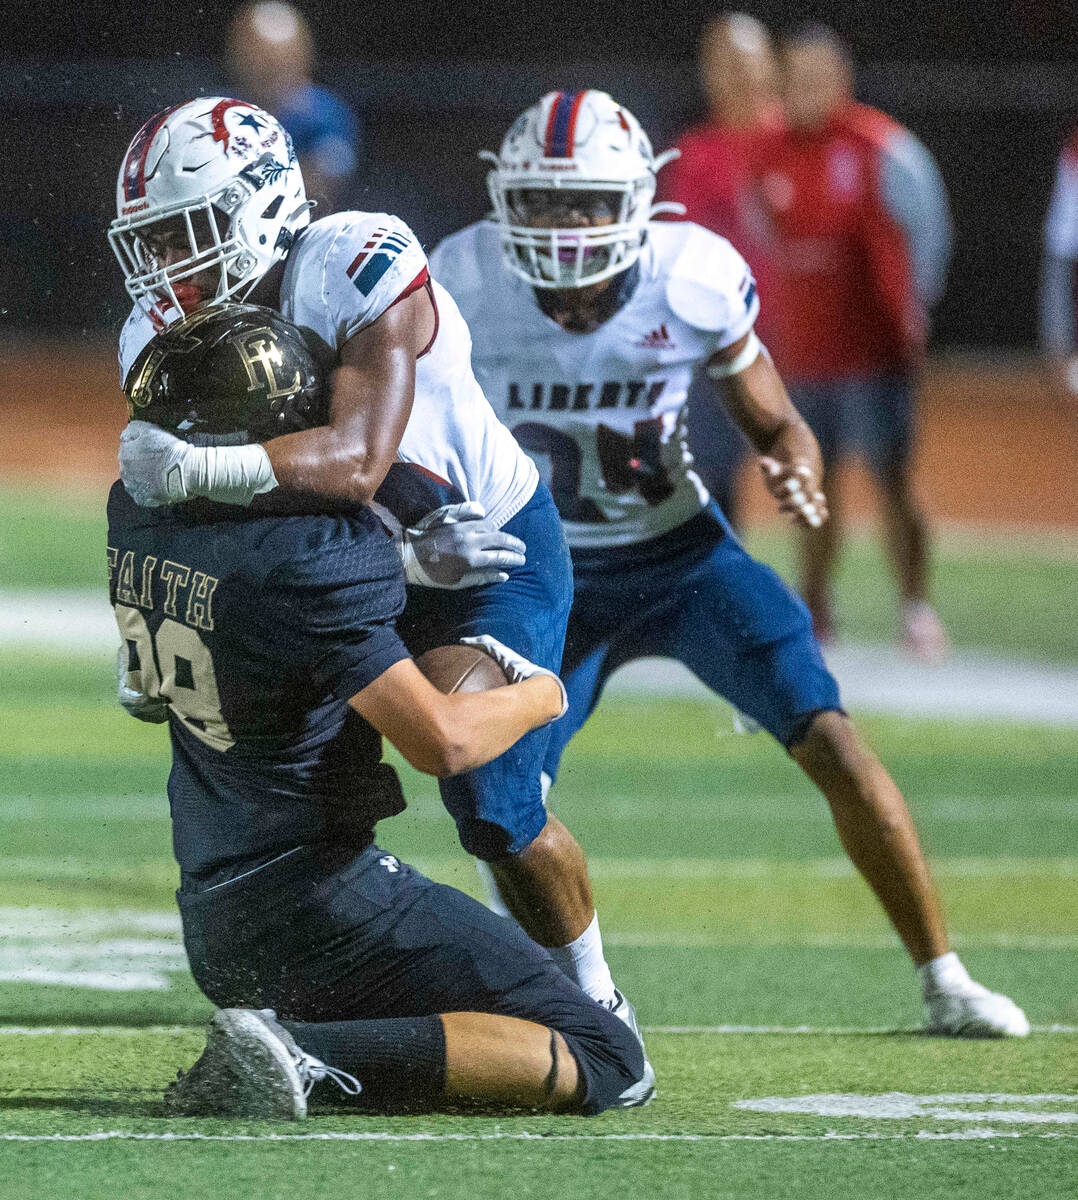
[325, 934]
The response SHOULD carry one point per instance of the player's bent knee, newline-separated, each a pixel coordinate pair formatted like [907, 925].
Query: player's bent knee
[609, 1058]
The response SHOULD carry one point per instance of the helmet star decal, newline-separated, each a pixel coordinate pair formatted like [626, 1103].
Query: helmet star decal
[217, 117]
[254, 122]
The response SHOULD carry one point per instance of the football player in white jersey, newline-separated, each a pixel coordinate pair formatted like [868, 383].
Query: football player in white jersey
[211, 205]
[588, 319]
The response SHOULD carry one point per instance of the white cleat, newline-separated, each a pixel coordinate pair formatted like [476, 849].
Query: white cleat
[972, 1011]
[252, 1068]
[643, 1090]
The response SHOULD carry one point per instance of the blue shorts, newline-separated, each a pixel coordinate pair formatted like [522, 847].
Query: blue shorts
[498, 808]
[697, 596]
[871, 416]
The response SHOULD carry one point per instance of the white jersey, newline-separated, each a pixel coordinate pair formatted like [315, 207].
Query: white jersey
[342, 274]
[602, 412]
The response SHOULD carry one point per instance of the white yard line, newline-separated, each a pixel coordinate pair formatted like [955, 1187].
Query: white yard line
[881, 679]
[812, 1030]
[923, 1135]
[128, 950]
[873, 678]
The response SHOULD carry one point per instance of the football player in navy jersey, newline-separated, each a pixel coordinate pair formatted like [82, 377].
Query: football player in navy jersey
[211, 206]
[269, 642]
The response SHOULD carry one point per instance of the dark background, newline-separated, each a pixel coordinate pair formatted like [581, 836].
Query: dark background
[992, 88]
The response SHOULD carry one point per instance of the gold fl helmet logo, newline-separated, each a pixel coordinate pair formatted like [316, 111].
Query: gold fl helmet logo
[263, 359]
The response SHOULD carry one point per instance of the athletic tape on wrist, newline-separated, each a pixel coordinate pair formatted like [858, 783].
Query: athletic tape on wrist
[230, 474]
[748, 355]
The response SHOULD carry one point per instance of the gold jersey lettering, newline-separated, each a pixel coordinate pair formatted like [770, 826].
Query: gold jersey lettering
[175, 575]
[200, 601]
[148, 564]
[125, 581]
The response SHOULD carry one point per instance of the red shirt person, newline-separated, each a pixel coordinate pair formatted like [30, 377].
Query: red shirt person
[712, 179]
[861, 237]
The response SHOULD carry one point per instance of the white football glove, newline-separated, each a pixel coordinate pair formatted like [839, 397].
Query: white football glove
[157, 468]
[789, 485]
[454, 547]
[132, 701]
[516, 666]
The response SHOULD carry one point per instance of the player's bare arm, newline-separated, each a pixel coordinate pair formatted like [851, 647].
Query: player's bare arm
[445, 735]
[342, 462]
[370, 403]
[789, 454]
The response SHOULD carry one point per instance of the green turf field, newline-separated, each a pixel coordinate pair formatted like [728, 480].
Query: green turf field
[780, 1006]
[725, 902]
[1012, 594]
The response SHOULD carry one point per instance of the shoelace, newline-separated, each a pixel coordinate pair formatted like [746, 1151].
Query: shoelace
[313, 1070]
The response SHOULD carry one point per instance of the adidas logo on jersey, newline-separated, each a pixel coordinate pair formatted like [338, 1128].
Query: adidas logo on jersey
[657, 339]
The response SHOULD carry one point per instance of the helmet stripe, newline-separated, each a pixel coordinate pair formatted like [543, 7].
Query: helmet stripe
[135, 162]
[578, 99]
[550, 123]
[559, 132]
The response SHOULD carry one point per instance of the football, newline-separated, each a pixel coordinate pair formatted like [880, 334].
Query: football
[458, 668]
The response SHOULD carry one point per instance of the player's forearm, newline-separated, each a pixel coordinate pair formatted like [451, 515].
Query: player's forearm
[480, 726]
[322, 463]
[346, 461]
[758, 401]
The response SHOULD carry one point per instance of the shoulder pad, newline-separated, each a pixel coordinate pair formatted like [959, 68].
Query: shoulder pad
[709, 285]
[462, 262]
[137, 331]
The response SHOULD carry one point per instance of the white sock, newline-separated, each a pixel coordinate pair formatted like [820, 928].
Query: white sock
[943, 974]
[494, 896]
[584, 963]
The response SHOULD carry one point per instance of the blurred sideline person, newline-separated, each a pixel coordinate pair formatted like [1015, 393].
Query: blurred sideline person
[269, 642]
[588, 320]
[711, 179]
[409, 429]
[271, 54]
[862, 239]
[1058, 322]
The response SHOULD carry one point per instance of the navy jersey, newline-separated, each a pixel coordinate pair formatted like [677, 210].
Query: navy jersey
[258, 630]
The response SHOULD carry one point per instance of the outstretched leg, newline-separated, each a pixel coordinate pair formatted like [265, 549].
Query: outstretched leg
[740, 629]
[877, 831]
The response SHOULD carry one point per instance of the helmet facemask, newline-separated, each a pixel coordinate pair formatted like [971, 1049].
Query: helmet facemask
[601, 237]
[180, 242]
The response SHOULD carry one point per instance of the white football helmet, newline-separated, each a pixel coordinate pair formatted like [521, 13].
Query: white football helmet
[217, 182]
[572, 144]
